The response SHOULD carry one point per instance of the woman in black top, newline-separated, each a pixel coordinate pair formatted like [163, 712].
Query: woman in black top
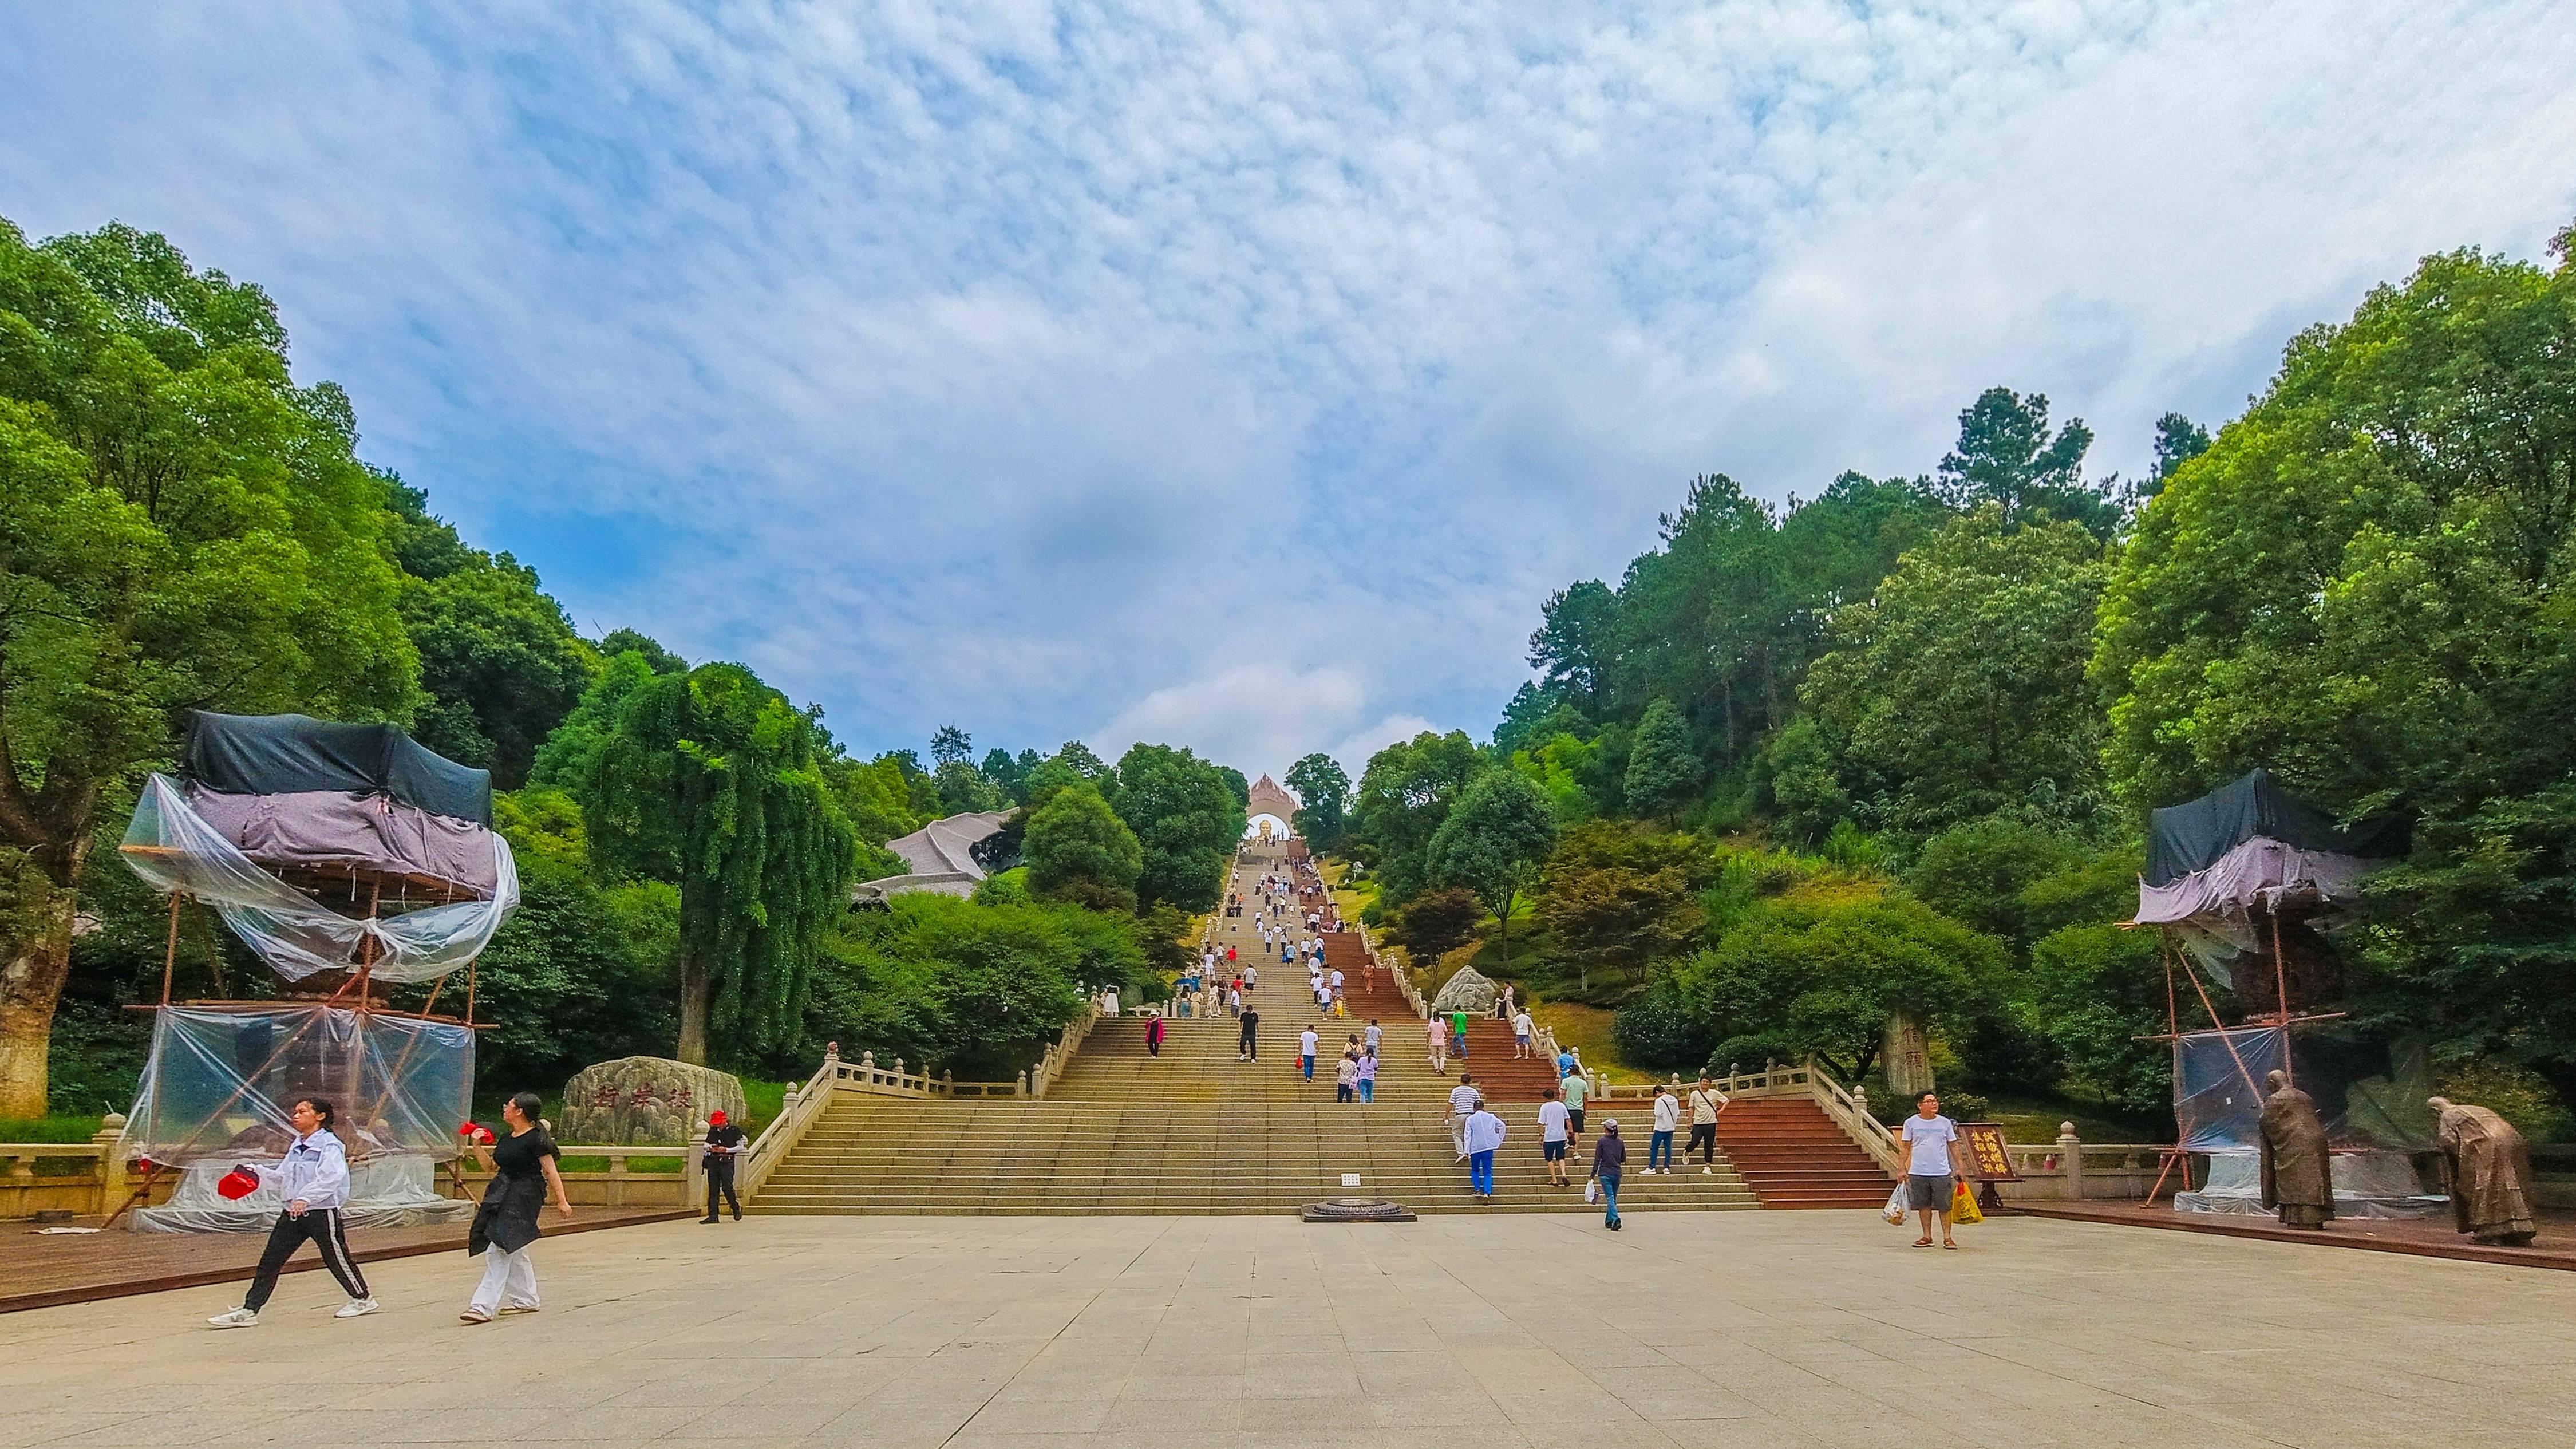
[522, 1165]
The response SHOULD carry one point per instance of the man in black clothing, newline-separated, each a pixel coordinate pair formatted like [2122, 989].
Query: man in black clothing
[1248, 1049]
[724, 1141]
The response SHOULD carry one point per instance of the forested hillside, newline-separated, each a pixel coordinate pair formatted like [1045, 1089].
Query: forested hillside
[1889, 749]
[184, 526]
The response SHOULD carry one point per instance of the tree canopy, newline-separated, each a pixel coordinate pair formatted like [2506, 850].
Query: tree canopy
[1187, 819]
[713, 781]
[181, 526]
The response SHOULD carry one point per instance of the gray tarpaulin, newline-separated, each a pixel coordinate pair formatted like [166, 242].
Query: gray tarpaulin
[281, 754]
[2195, 835]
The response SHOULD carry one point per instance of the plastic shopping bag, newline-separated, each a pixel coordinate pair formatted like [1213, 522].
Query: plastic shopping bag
[1592, 1191]
[1963, 1205]
[1895, 1211]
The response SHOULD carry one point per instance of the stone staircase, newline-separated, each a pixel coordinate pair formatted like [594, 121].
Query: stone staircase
[1794, 1156]
[1192, 1131]
[1196, 1131]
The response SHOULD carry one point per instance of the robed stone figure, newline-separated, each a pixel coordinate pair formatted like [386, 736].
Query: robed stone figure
[2490, 1173]
[2298, 1176]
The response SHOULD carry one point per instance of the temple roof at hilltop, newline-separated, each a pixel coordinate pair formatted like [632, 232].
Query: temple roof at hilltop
[1269, 799]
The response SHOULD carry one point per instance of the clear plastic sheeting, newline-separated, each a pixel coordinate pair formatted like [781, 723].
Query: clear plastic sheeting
[2218, 1085]
[397, 1191]
[219, 1082]
[2368, 1184]
[174, 849]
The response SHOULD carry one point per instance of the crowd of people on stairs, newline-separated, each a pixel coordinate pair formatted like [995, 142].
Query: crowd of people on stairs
[1280, 916]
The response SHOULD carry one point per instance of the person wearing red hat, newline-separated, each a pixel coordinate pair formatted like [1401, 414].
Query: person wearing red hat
[313, 1179]
[505, 1229]
[724, 1144]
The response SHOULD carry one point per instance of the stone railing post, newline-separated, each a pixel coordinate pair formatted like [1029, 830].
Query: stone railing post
[110, 1142]
[1860, 1099]
[2070, 1155]
[693, 1172]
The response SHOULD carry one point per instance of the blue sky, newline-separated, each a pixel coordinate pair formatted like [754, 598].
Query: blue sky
[1244, 376]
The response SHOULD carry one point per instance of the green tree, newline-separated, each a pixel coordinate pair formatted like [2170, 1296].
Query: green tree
[1003, 773]
[1960, 690]
[1404, 794]
[1663, 774]
[1323, 794]
[1077, 849]
[1976, 872]
[1187, 819]
[1078, 756]
[2362, 586]
[499, 662]
[1493, 844]
[1577, 643]
[1436, 922]
[569, 753]
[713, 781]
[1616, 901]
[1823, 972]
[180, 527]
[2007, 458]
[951, 746]
[974, 990]
[578, 974]
[2097, 992]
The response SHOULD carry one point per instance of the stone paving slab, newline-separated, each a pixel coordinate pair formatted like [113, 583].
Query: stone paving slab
[1687, 1331]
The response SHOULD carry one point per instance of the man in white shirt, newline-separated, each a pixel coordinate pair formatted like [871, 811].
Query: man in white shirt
[1463, 1100]
[1306, 1052]
[1483, 1136]
[1552, 1121]
[1933, 1166]
[1521, 1028]
[1668, 1115]
[1375, 1035]
[1706, 1101]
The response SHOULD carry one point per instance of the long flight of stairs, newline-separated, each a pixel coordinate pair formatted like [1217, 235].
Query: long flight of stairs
[1196, 1131]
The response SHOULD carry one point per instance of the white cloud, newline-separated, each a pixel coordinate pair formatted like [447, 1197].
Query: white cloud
[1019, 365]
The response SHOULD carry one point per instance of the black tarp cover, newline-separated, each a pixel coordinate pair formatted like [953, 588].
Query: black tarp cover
[279, 754]
[2194, 835]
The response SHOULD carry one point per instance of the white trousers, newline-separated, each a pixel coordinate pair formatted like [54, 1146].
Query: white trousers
[510, 1276]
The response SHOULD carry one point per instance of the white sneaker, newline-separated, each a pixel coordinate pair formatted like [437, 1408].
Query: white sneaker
[1708, 1172]
[356, 1308]
[238, 1318]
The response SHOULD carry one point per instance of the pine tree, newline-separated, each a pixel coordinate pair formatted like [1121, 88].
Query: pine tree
[1662, 772]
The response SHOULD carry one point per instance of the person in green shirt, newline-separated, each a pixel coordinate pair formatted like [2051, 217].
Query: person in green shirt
[1458, 1035]
[1576, 1090]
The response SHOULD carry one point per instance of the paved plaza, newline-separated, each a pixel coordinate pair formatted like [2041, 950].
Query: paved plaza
[1689, 1329]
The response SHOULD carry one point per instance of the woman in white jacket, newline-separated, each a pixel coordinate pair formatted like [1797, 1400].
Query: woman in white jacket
[313, 1179]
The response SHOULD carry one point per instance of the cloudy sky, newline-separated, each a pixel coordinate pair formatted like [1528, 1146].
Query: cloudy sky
[1244, 376]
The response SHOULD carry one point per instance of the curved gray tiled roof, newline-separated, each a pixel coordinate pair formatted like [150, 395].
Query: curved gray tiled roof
[941, 854]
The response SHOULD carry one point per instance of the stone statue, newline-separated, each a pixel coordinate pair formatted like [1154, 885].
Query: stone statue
[2298, 1175]
[2490, 1173]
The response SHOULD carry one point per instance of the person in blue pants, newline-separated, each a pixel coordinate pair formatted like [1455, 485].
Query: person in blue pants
[1609, 1158]
[1659, 1147]
[1483, 1136]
